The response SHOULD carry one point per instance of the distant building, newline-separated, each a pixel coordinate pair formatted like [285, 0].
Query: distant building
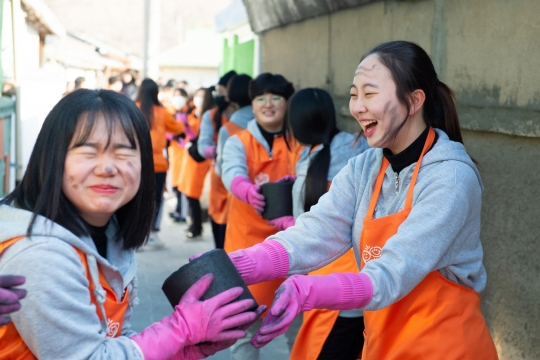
[198, 65]
[241, 46]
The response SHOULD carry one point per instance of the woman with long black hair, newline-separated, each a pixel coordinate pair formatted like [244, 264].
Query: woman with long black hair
[159, 121]
[71, 227]
[194, 166]
[236, 99]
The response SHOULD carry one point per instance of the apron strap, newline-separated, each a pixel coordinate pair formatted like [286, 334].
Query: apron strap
[377, 189]
[427, 146]
[382, 171]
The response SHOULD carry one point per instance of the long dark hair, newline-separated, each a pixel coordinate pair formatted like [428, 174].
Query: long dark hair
[412, 69]
[312, 120]
[40, 190]
[147, 97]
[208, 100]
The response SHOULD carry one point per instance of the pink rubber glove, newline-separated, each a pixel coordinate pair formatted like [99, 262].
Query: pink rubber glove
[210, 152]
[248, 192]
[206, 349]
[169, 136]
[181, 117]
[190, 134]
[338, 291]
[262, 262]
[282, 223]
[195, 321]
[9, 297]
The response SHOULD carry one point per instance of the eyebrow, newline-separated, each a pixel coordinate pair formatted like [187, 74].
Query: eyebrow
[97, 146]
[369, 84]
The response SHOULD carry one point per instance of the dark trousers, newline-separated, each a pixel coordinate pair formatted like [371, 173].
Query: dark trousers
[345, 341]
[219, 233]
[160, 183]
[196, 214]
[178, 209]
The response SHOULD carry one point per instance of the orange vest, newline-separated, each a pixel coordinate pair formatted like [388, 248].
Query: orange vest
[245, 227]
[192, 177]
[438, 319]
[217, 199]
[14, 347]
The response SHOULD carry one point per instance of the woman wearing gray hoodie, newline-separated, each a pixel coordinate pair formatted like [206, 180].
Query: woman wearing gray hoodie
[71, 227]
[409, 208]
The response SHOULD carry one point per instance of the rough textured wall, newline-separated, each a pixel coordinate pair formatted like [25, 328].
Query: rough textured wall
[488, 51]
[511, 240]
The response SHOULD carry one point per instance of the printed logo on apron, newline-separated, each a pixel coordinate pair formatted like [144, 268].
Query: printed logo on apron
[113, 328]
[261, 178]
[371, 253]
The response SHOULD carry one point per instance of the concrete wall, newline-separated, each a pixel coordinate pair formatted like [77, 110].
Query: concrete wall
[488, 51]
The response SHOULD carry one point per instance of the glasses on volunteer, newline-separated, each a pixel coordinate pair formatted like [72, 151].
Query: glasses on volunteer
[263, 99]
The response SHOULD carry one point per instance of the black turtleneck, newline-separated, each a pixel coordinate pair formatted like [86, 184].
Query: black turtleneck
[411, 154]
[268, 136]
[100, 239]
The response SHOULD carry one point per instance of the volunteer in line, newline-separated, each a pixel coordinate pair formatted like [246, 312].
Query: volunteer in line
[311, 117]
[252, 157]
[410, 209]
[84, 204]
[159, 121]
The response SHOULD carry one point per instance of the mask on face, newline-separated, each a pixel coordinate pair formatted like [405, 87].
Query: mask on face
[221, 102]
[178, 102]
[197, 101]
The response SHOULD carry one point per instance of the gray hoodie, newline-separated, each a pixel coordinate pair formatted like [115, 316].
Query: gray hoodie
[57, 319]
[240, 117]
[442, 232]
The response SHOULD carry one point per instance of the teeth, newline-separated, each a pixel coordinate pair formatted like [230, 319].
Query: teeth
[368, 123]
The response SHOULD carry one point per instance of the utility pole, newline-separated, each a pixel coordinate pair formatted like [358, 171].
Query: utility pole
[146, 41]
[16, 19]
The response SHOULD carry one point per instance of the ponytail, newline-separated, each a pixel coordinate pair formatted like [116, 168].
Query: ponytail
[316, 183]
[312, 120]
[447, 119]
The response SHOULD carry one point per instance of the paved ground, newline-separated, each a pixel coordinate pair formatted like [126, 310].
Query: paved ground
[156, 266]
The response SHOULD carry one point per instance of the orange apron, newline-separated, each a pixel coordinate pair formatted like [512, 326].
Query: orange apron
[176, 155]
[13, 346]
[193, 173]
[217, 198]
[245, 227]
[438, 319]
[318, 323]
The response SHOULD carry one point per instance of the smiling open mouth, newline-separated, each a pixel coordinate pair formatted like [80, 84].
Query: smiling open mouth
[369, 127]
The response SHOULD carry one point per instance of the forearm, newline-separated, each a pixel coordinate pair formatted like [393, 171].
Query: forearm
[206, 134]
[234, 162]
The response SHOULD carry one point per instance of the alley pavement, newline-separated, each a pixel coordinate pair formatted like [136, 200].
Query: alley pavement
[156, 265]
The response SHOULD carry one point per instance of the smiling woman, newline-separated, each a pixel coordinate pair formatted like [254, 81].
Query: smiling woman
[84, 205]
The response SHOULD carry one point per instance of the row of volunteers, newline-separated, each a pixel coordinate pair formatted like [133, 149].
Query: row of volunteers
[385, 237]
